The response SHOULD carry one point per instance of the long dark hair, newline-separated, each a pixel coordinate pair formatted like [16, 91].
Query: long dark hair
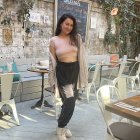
[73, 33]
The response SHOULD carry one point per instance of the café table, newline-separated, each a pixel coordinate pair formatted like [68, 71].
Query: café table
[42, 72]
[128, 108]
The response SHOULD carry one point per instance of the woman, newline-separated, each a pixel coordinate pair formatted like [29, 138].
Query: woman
[67, 69]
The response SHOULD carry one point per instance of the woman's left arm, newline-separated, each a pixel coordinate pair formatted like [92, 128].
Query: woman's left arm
[83, 73]
[52, 65]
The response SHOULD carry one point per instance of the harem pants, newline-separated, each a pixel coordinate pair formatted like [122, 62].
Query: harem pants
[67, 76]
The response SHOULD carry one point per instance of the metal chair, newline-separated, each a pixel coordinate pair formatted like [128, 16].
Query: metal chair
[109, 80]
[6, 93]
[135, 77]
[115, 129]
[92, 81]
[56, 99]
[121, 84]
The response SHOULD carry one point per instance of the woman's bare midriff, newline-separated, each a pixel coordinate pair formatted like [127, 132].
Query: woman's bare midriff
[67, 59]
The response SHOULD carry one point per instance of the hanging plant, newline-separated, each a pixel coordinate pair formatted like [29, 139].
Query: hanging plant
[6, 21]
[109, 38]
[23, 11]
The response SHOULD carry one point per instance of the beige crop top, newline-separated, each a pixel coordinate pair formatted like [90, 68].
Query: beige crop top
[63, 48]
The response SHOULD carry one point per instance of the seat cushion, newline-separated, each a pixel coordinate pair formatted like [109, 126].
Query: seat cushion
[50, 89]
[125, 131]
[16, 76]
[93, 67]
[15, 70]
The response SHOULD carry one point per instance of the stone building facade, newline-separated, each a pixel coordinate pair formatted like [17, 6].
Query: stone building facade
[35, 43]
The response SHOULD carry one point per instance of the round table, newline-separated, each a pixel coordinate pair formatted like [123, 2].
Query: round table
[42, 72]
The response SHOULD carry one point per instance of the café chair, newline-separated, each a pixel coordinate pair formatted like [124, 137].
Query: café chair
[121, 83]
[7, 98]
[110, 78]
[56, 100]
[135, 77]
[115, 129]
[92, 80]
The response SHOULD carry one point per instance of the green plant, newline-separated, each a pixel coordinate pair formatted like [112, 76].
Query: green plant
[6, 20]
[23, 11]
[126, 30]
[109, 38]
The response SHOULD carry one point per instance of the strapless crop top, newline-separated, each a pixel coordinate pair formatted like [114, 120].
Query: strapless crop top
[63, 48]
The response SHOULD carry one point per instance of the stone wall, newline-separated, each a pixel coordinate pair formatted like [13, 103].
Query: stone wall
[35, 44]
[95, 34]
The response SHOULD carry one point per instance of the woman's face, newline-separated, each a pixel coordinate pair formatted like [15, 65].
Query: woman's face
[67, 26]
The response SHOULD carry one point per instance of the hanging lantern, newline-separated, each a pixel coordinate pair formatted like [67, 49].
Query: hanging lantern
[114, 11]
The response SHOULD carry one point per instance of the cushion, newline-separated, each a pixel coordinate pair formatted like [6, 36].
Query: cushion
[14, 67]
[93, 67]
[16, 76]
[125, 131]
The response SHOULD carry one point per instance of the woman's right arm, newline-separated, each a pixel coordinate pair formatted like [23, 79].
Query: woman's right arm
[52, 48]
[52, 64]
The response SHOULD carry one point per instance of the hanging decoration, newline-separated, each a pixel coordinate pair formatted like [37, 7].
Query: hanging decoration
[7, 36]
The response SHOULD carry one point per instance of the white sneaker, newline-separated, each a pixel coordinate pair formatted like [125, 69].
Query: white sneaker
[61, 133]
[68, 132]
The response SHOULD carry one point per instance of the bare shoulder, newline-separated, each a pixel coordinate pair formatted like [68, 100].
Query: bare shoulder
[53, 38]
[53, 41]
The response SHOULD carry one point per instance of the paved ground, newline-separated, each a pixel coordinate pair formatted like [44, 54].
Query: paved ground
[87, 123]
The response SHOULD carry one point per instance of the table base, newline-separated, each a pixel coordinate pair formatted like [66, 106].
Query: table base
[39, 103]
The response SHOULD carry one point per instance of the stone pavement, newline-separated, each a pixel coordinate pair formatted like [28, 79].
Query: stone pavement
[86, 124]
